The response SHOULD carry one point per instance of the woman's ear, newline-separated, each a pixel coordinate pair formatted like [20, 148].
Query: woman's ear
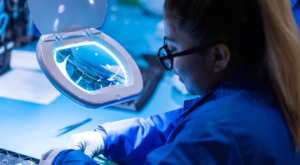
[220, 55]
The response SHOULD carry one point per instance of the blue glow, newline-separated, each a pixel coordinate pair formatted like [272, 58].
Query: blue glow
[90, 77]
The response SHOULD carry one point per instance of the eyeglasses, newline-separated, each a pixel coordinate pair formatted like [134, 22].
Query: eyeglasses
[165, 56]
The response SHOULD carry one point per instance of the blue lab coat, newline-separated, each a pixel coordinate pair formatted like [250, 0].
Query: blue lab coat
[238, 122]
[73, 157]
[296, 10]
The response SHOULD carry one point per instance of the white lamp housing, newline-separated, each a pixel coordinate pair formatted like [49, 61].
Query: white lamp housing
[84, 64]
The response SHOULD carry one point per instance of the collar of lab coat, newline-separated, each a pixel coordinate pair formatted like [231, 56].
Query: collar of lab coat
[242, 80]
[294, 2]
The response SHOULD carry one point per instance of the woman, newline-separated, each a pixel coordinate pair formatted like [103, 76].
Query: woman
[243, 58]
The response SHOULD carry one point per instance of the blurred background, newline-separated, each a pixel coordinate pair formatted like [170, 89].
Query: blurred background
[32, 110]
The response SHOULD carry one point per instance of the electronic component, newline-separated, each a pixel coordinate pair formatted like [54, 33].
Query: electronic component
[20, 27]
[103, 161]
[12, 158]
[5, 55]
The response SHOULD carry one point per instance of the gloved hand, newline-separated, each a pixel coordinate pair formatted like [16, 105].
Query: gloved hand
[91, 143]
[48, 157]
[59, 156]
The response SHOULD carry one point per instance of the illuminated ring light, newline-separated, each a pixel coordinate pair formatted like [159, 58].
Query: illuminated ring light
[62, 65]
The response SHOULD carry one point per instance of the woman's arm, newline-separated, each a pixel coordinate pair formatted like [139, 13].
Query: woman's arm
[210, 145]
[129, 141]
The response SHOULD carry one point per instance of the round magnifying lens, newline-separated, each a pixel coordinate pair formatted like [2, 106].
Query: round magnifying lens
[90, 66]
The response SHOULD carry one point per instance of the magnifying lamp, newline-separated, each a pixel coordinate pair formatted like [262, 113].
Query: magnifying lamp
[84, 64]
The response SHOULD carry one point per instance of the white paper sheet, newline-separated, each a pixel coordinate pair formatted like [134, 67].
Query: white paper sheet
[28, 86]
[24, 60]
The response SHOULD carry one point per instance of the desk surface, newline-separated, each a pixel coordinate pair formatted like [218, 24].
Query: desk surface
[29, 128]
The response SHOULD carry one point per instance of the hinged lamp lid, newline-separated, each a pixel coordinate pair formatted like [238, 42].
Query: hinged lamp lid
[57, 16]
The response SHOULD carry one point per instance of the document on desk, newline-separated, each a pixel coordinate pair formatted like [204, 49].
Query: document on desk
[30, 86]
[24, 60]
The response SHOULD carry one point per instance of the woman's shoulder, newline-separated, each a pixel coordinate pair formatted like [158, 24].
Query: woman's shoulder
[239, 103]
[257, 127]
[255, 123]
[243, 108]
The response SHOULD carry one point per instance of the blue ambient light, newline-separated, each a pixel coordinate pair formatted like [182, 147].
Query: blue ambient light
[90, 66]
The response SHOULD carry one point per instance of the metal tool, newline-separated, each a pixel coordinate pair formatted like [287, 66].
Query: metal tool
[71, 127]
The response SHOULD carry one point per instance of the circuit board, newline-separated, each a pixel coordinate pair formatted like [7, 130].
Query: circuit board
[12, 158]
[104, 161]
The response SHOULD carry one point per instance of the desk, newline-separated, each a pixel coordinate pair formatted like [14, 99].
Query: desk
[28, 128]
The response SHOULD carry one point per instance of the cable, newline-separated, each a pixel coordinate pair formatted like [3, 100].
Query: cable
[9, 6]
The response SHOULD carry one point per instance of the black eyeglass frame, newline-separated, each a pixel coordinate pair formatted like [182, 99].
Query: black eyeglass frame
[170, 56]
